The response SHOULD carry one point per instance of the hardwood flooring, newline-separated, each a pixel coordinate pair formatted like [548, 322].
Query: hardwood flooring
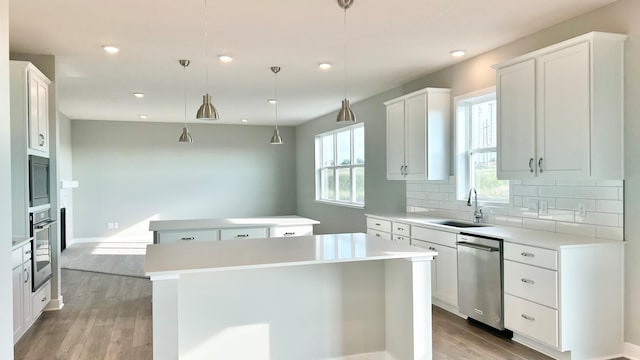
[109, 317]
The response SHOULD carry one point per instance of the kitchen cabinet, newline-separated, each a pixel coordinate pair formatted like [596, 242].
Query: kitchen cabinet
[22, 297]
[444, 268]
[418, 132]
[379, 228]
[166, 237]
[560, 110]
[243, 233]
[30, 103]
[282, 231]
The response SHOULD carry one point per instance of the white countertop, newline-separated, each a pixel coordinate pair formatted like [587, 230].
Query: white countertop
[544, 239]
[179, 258]
[17, 242]
[197, 224]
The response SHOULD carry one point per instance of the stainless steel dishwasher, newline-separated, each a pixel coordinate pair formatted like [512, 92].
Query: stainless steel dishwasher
[480, 279]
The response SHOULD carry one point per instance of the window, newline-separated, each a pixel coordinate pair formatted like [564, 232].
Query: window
[476, 140]
[340, 166]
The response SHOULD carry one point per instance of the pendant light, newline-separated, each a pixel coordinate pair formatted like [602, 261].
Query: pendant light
[185, 137]
[276, 139]
[207, 111]
[345, 115]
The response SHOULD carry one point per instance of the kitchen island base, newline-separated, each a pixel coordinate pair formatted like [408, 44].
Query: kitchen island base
[376, 309]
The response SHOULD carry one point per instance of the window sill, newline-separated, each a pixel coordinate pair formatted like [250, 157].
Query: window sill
[343, 204]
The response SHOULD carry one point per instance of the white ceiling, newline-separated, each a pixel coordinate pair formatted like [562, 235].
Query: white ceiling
[389, 43]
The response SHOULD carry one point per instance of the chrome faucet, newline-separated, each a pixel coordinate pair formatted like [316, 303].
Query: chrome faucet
[477, 213]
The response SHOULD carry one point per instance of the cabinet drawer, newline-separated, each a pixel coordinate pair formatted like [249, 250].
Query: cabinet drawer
[41, 298]
[380, 234]
[401, 229]
[531, 255]
[530, 319]
[16, 258]
[401, 239]
[379, 224]
[434, 236]
[243, 233]
[532, 283]
[26, 252]
[187, 235]
[280, 231]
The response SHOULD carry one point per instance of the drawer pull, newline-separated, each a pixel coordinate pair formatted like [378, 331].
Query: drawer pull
[378, 235]
[378, 224]
[289, 233]
[43, 299]
[242, 235]
[188, 238]
[527, 254]
[527, 281]
[28, 252]
[527, 317]
[401, 229]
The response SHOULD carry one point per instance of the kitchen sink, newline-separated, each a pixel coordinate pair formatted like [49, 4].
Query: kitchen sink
[459, 224]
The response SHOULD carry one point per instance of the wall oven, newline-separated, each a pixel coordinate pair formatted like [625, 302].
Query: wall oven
[41, 231]
[38, 181]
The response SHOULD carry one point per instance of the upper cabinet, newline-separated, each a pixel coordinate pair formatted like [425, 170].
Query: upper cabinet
[30, 104]
[560, 110]
[418, 127]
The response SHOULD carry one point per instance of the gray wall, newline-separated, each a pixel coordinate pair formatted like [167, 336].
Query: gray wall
[65, 169]
[380, 195]
[475, 74]
[6, 296]
[131, 172]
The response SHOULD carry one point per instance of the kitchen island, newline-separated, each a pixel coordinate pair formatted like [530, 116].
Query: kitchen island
[336, 296]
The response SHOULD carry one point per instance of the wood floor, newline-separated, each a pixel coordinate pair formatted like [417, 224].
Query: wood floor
[109, 317]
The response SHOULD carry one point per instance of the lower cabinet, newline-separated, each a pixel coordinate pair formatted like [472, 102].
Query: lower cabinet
[283, 231]
[444, 272]
[243, 233]
[24, 311]
[166, 237]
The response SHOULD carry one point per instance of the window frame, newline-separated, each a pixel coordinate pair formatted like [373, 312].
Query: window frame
[319, 166]
[463, 142]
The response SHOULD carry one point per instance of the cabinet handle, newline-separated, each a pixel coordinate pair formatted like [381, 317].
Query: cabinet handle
[401, 229]
[188, 238]
[40, 139]
[531, 165]
[26, 279]
[527, 317]
[405, 170]
[527, 281]
[289, 233]
[378, 224]
[27, 252]
[242, 235]
[43, 299]
[527, 254]
[540, 164]
[378, 235]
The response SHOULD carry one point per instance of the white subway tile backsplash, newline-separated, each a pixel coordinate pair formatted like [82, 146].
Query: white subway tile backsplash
[507, 220]
[516, 201]
[447, 188]
[433, 204]
[438, 196]
[556, 191]
[610, 206]
[414, 202]
[522, 212]
[621, 220]
[538, 181]
[431, 187]
[608, 182]
[608, 232]
[576, 229]
[597, 218]
[558, 215]
[572, 204]
[525, 190]
[621, 193]
[414, 187]
[535, 224]
[595, 192]
[576, 182]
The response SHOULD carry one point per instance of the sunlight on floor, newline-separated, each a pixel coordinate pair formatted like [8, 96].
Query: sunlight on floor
[120, 248]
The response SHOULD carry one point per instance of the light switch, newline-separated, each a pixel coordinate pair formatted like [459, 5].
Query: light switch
[544, 210]
[582, 209]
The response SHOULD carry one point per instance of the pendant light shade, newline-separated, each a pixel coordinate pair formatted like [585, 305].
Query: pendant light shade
[345, 115]
[276, 139]
[206, 111]
[185, 137]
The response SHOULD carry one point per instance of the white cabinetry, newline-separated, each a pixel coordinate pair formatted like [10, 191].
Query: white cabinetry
[560, 110]
[282, 231]
[243, 233]
[379, 227]
[30, 103]
[166, 237]
[444, 267]
[566, 299]
[23, 314]
[418, 135]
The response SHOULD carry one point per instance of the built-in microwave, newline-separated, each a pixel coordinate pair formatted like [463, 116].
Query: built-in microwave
[39, 185]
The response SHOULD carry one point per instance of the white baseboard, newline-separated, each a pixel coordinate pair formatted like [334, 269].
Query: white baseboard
[378, 355]
[631, 351]
[55, 304]
[146, 238]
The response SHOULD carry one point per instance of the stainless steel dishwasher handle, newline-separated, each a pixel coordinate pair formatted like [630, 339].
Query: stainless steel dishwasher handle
[478, 246]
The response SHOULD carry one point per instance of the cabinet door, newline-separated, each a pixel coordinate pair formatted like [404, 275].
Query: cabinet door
[447, 274]
[416, 137]
[516, 85]
[43, 116]
[395, 141]
[243, 233]
[27, 313]
[38, 113]
[564, 113]
[17, 302]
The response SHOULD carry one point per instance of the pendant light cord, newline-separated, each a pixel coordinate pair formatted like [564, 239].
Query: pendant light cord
[276, 97]
[345, 51]
[206, 44]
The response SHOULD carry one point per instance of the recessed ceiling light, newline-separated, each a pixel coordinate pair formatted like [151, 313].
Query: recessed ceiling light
[325, 66]
[457, 53]
[272, 101]
[225, 58]
[110, 49]
[143, 116]
[139, 95]
[244, 120]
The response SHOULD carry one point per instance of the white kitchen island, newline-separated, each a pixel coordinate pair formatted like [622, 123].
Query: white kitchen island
[338, 296]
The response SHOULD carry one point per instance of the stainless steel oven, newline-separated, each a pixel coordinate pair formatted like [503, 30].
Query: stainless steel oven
[39, 186]
[41, 231]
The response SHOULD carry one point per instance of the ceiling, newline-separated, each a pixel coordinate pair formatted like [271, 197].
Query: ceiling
[388, 43]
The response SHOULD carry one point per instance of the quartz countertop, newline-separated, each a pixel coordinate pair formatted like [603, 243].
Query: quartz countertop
[544, 239]
[198, 224]
[179, 258]
[17, 242]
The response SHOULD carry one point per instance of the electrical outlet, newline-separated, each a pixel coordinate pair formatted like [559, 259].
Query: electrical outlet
[582, 209]
[109, 226]
[115, 225]
[544, 209]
